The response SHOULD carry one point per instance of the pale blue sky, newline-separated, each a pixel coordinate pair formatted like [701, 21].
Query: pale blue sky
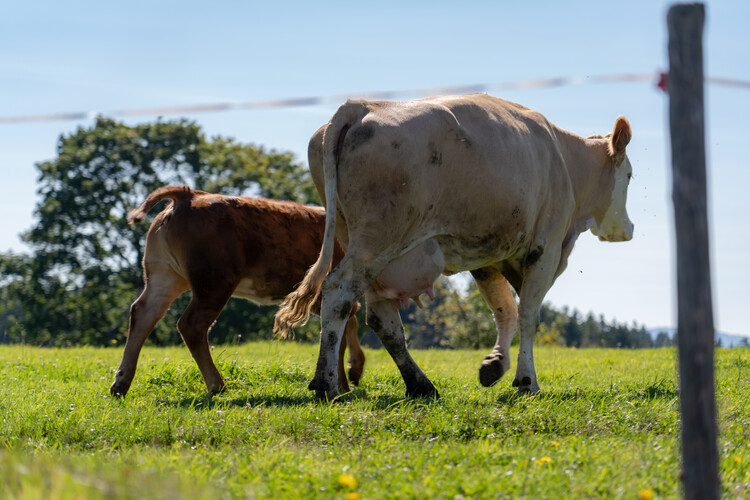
[100, 56]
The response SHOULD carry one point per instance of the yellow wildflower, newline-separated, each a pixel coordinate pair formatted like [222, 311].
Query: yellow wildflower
[348, 481]
[555, 444]
[352, 495]
[737, 459]
[646, 494]
[543, 460]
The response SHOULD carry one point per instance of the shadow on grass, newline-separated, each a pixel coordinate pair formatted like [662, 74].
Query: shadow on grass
[209, 402]
[512, 397]
[377, 402]
[387, 401]
[656, 390]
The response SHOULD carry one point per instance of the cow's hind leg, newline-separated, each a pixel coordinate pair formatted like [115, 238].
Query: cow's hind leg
[350, 340]
[383, 318]
[162, 286]
[335, 308]
[193, 326]
[340, 291]
[497, 293]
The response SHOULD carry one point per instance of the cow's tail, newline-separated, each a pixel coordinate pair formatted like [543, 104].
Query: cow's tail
[175, 193]
[296, 307]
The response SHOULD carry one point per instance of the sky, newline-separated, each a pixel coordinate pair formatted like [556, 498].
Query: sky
[101, 57]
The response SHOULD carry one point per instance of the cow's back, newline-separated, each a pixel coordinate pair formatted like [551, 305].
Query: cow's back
[468, 167]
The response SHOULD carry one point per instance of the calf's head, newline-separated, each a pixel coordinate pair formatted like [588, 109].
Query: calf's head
[614, 224]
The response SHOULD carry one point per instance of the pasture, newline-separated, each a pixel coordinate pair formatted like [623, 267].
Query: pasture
[606, 425]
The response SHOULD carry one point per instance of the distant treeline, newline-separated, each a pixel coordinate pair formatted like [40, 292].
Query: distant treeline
[460, 319]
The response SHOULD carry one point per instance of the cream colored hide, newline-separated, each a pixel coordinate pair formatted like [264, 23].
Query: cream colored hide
[448, 184]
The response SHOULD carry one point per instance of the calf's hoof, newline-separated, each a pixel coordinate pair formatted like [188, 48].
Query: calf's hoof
[491, 370]
[217, 389]
[355, 375]
[119, 389]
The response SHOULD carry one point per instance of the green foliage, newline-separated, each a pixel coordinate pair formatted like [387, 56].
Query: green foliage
[460, 319]
[606, 425]
[454, 319]
[84, 270]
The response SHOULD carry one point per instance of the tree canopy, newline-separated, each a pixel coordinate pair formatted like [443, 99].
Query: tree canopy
[84, 269]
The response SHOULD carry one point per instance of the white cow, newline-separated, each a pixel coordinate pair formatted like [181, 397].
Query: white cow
[448, 184]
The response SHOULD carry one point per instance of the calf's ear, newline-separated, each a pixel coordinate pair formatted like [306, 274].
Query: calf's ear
[620, 138]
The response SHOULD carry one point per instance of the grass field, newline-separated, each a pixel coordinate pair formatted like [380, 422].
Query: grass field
[606, 425]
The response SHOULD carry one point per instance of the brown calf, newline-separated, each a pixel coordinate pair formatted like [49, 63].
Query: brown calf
[220, 246]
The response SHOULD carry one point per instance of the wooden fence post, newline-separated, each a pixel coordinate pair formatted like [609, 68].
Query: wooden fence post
[695, 325]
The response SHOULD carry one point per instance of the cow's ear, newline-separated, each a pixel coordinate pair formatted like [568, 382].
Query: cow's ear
[620, 138]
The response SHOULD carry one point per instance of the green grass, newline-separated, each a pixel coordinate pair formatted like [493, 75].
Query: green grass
[606, 425]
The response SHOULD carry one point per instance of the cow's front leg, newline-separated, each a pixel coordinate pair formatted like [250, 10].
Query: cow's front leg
[526, 380]
[538, 278]
[497, 293]
[383, 318]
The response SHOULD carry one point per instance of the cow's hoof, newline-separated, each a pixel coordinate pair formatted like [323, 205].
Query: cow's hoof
[318, 385]
[322, 390]
[354, 376]
[526, 386]
[119, 389]
[424, 390]
[217, 389]
[491, 370]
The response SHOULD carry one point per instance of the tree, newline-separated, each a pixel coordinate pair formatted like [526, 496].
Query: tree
[663, 340]
[453, 319]
[84, 269]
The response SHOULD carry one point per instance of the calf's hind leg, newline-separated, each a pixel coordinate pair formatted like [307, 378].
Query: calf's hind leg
[356, 355]
[193, 327]
[343, 382]
[162, 286]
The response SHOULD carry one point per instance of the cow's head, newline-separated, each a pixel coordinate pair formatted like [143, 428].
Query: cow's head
[615, 225]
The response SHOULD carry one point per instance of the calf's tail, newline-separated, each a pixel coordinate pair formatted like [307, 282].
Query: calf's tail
[296, 307]
[175, 193]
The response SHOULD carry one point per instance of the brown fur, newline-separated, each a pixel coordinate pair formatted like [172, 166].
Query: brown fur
[220, 246]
